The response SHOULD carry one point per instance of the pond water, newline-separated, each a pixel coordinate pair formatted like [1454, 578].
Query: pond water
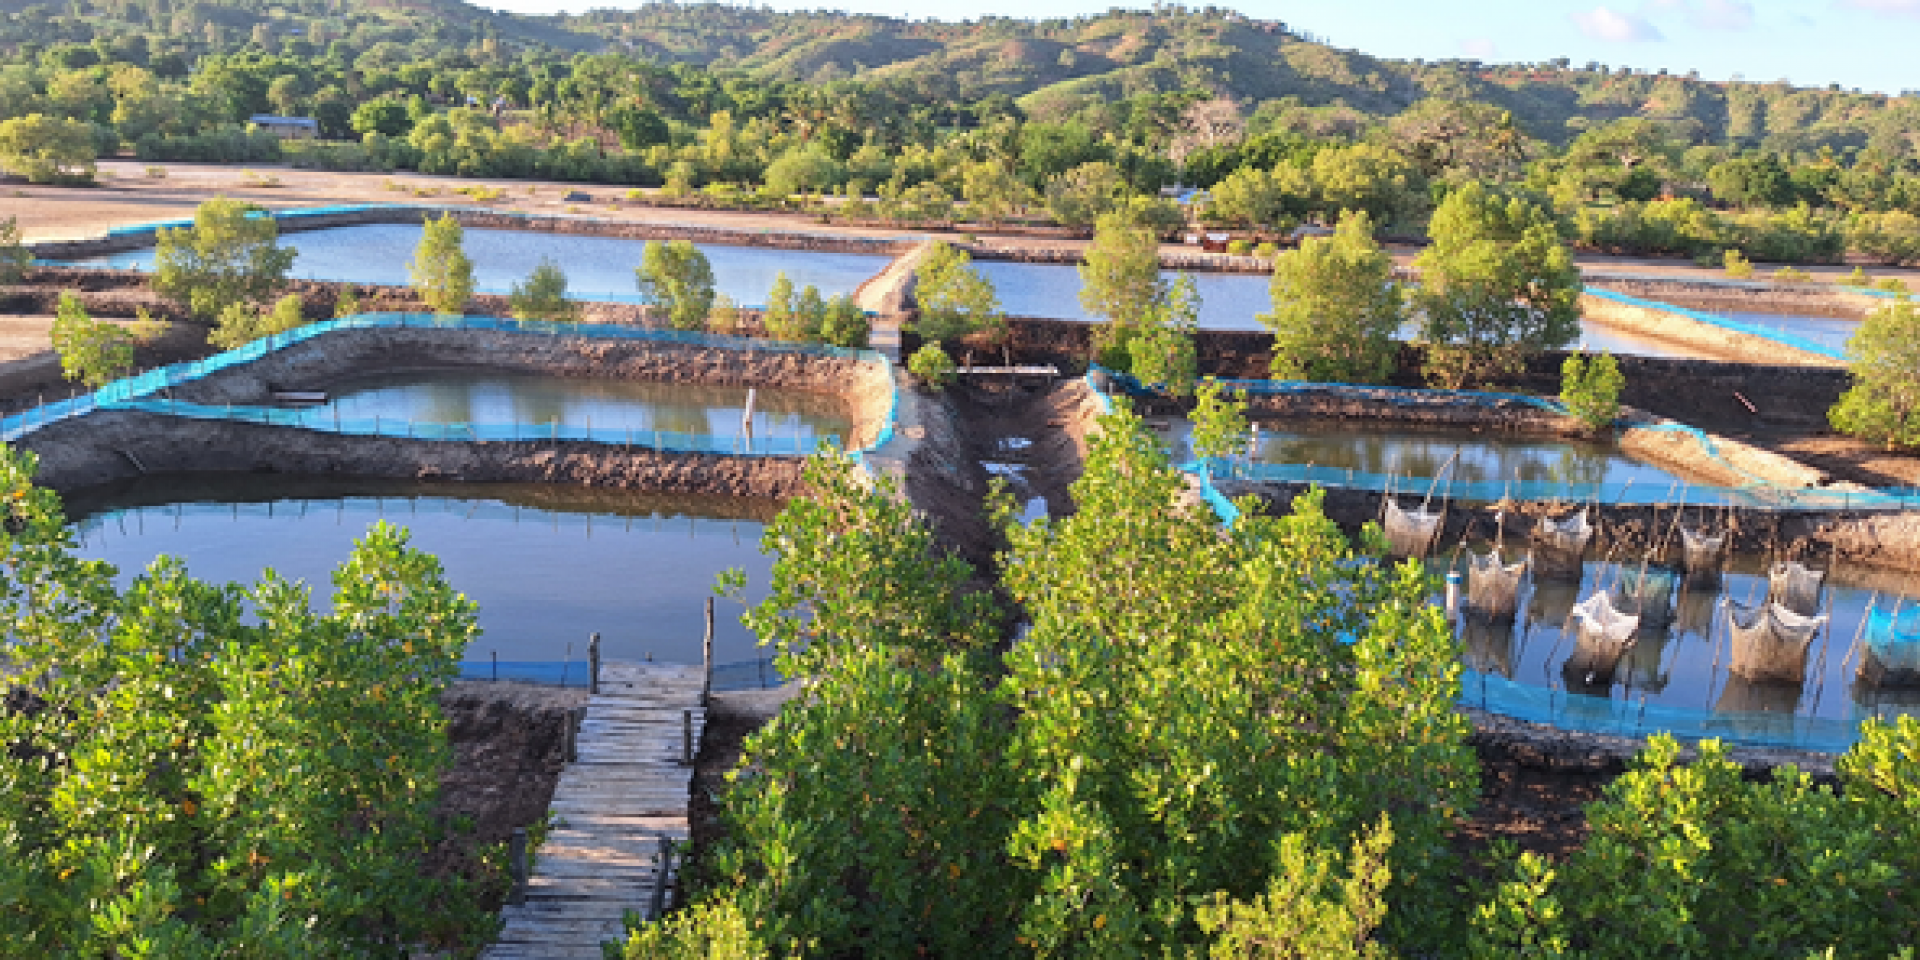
[1227, 302]
[1676, 676]
[1826, 331]
[548, 566]
[597, 268]
[1489, 460]
[496, 398]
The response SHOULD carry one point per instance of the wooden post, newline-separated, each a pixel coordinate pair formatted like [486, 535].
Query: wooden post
[570, 737]
[686, 737]
[706, 658]
[593, 665]
[659, 905]
[517, 866]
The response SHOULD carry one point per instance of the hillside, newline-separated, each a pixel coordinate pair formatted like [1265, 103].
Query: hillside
[1051, 66]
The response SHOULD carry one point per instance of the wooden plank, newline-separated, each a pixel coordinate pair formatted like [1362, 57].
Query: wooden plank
[627, 790]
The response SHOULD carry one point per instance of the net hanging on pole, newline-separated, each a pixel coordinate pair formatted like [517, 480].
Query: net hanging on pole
[1411, 533]
[1602, 635]
[1795, 586]
[1702, 556]
[1647, 592]
[1559, 546]
[1493, 587]
[1893, 649]
[1770, 642]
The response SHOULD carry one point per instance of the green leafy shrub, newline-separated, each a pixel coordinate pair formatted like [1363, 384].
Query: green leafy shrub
[1791, 275]
[1883, 404]
[676, 277]
[15, 258]
[1737, 265]
[91, 351]
[932, 365]
[1337, 311]
[241, 324]
[543, 295]
[231, 255]
[441, 270]
[1590, 387]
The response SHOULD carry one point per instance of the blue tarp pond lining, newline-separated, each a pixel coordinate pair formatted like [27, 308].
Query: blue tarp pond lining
[141, 393]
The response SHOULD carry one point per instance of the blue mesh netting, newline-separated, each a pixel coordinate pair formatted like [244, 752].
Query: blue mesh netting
[139, 392]
[1725, 323]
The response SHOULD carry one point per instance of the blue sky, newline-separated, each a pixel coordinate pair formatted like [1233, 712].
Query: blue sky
[1856, 43]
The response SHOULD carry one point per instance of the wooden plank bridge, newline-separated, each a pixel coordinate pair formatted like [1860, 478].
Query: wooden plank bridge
[627, 789]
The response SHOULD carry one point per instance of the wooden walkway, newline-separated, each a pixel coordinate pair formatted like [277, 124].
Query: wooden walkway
[628, 789]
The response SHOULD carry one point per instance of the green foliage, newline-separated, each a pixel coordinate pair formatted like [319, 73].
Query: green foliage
[231, 255]
[1791, 275]
[676, 277]
[954, 299]
[347, 303]
[932, 365]
[845, 324]
[441, 270]
[1219, 425]
[386, 116]
[1497, 285]
[1883, 404]
[1336, 308]
[47, 149]
[240, 324]
[1120, 280]
[724, 318]
[1737, 265]
[779, 319]
[1184, 700]
[15, 258]
[543, 295]
[1081, 196]
[209, 770]
[1162, 350]
[1590, 387]
[1691, 860]
[91, 351]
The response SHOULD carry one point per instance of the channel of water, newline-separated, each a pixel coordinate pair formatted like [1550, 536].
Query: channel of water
[547, 565]
[597, 268]
[501, 398]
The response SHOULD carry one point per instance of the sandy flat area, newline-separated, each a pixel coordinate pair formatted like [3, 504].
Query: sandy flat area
[130, 195]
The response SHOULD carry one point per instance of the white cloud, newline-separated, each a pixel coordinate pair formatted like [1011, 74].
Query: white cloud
[1606, 23]
[1479, 48]
[1889, 8]
[1726, 14]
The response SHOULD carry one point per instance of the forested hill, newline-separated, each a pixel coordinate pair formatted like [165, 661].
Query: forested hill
[1052, 66]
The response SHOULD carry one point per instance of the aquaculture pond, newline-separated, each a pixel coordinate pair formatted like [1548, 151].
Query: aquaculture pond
[1677, 675]
[547, 566]
[607, 407]
[1825, 331]
[597, 268]
[1479, 460]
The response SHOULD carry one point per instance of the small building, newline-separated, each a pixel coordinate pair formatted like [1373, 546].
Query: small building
[286, 128]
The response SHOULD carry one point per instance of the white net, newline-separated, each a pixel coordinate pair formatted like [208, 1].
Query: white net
[1795, 586]
[1560, 545]
[1702, 556]
[1770, 642]
[1602, 635]
[1647, 592]
[1493, 587]
[1410, 533]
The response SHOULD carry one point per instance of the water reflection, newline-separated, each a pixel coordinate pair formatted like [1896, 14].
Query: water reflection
[497, 398]
[597, 267]
[547, 565]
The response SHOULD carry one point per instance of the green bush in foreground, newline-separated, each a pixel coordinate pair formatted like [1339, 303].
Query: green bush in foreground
[197, 770]
[1883, 405]
[932, 365]
[1590, 387]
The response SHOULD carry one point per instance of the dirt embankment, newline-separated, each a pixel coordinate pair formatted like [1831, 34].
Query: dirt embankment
[1795, 299]
[114, 445]
[1684, 331]
[507, 755]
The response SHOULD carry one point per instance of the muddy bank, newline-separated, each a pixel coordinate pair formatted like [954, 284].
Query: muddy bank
[507, 742]
[106, 446]
[293, 221]
[1682, 330]
[1806, 300]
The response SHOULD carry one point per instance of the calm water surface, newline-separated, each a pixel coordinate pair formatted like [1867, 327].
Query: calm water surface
[1420, 455]
[597, 268]
[494, 398]
[1682, 667]
[547, 566]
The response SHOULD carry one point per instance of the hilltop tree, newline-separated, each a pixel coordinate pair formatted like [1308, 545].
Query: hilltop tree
[1337, 311]
[1497, 285]
[441, 270]
[231, 255]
